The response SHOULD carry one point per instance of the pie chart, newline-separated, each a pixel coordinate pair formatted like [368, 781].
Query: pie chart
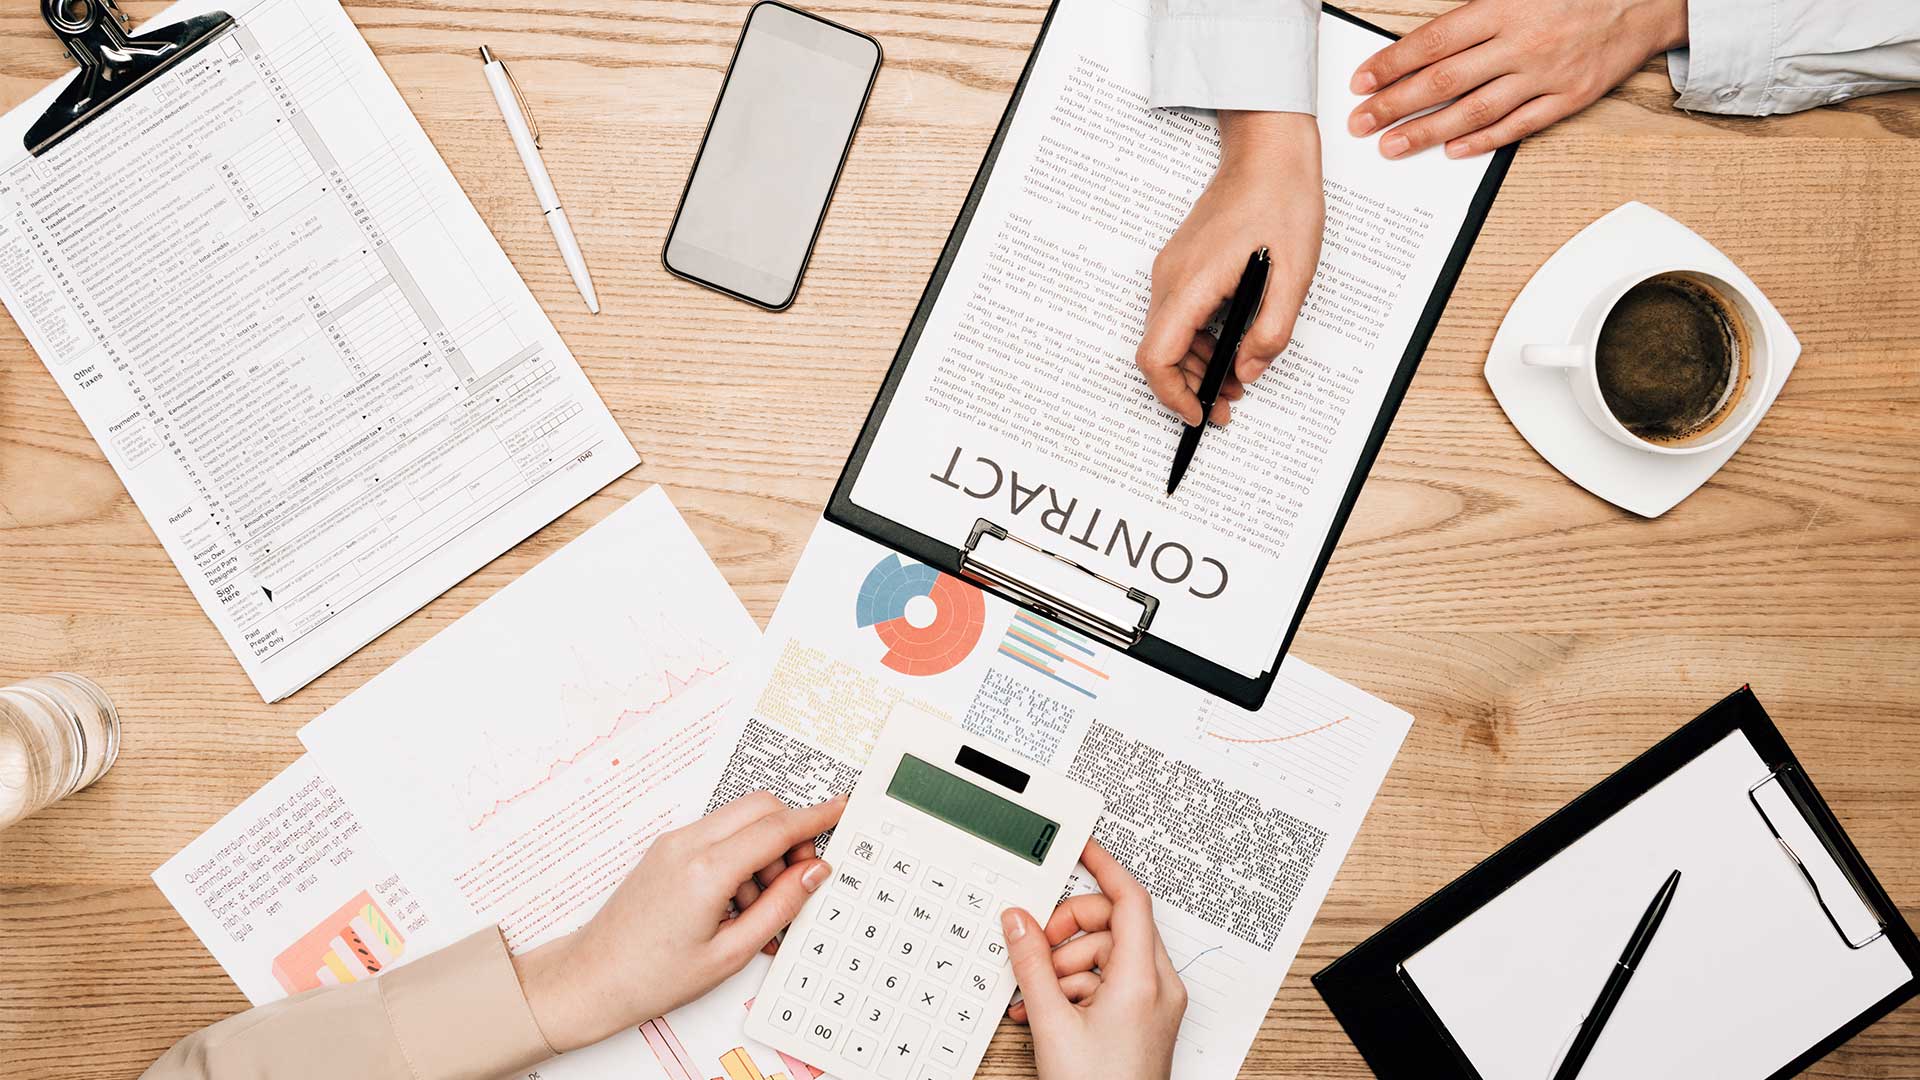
[924, 638]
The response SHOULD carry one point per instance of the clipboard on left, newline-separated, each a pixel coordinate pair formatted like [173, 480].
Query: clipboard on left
[1120, 600]
[114, 62]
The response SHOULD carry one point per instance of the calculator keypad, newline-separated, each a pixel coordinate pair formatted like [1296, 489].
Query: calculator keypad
[899, 969]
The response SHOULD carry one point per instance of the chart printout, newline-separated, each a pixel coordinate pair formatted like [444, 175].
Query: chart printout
[1236, 821]
[1025, 407]
[294, 339]
[288, 894]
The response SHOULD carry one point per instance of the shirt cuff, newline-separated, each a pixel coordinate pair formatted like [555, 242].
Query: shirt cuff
[1257, 63]
[1726, 66]
[459, 1013]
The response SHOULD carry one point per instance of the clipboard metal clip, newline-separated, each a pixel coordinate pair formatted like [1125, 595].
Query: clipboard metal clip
[113, 63]
[1096, 617]
[1789, 780]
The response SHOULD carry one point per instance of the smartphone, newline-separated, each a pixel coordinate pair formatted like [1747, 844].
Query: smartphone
[773, 151]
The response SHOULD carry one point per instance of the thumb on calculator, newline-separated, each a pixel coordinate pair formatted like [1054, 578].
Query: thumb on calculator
[1129, 1021]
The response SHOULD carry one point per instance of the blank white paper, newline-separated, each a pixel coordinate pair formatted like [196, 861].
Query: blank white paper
[1745, 974]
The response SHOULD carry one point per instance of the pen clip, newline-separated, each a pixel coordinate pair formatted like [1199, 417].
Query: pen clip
[526, 110]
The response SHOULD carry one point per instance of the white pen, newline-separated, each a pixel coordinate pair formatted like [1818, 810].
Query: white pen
[526, 139]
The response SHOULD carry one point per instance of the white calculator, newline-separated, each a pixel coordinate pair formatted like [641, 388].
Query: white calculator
[896, 968]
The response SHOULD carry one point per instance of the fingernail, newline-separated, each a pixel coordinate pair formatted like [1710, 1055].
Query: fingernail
[1012, 925]
[815, 875]
[1360, 123]
[1394, 145]
[1364, 82]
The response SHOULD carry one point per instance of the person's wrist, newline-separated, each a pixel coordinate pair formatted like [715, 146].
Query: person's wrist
[553, 980]
[1272, 141]
[1666, 24]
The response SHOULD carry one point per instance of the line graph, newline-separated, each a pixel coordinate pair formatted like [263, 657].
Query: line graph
[1304, 738]
[1280, 738]
[625, 720]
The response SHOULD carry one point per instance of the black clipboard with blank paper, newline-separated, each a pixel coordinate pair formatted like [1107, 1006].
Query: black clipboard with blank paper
[1779, 944]
[1011, 444]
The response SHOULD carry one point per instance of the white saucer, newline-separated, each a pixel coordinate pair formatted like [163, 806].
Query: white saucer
[1538, 401]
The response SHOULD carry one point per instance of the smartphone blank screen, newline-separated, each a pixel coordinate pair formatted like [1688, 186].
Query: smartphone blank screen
[773, 150]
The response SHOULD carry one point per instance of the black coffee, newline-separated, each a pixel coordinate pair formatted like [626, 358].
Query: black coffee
[1667, 354]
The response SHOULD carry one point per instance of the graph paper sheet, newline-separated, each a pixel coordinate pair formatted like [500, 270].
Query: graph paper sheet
[294, 339]
[1235, 821]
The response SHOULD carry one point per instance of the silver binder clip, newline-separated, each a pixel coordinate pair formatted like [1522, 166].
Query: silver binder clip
[1043, 581]
[113, 63]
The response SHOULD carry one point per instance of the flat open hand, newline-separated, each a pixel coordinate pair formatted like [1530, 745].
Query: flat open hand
[1514, 67]
[701, 902]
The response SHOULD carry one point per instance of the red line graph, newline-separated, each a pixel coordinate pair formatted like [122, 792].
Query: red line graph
[676, 685]
[1279, 738]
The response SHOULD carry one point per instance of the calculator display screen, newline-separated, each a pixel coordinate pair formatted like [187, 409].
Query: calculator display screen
[967, 806]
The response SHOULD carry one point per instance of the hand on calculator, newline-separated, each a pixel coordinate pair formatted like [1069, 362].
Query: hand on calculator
[1109, 994]
[670, 932]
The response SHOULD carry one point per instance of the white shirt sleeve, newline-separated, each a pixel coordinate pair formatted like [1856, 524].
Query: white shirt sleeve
[1762, 57]
[1235, 54]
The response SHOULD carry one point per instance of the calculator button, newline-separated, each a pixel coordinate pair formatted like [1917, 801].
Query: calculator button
[875, 1014]
[925, 1073]
[860, 1049]
[785, 1016]
[992, 945]
[902, 866]
[975, 901]
[855, 963]
[946, 1049]
[822, 1031]
[964, 1015]
[961, 933]
[908, 946]
[979, 981]
[886, 897]
[818, 947]
[944, 965]
[938, 882]
[850, 881]
[868, 931]
[804, 982]
[834, 914]
[902, 1046]
[927, 997]
[923, 913]
[865, 849]
[891, 981]
[838, 999]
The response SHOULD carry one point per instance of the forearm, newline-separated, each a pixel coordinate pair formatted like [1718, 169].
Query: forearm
[457, 1014]
[1764, 57]
[1234, 54]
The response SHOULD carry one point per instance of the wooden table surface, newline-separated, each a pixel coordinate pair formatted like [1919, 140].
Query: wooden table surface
[1540, 636]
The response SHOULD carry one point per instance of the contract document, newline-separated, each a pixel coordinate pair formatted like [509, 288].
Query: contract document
[294, 339]
[1023, 406]
[1235, 821]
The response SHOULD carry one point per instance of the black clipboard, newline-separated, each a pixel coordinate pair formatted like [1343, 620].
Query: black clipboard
[962, 556]
[1399, 1033]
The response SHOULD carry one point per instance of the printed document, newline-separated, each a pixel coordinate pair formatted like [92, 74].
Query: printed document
[1235, 821]
[316, 372]
[520, 763]
[289, 896]
[1023, 405]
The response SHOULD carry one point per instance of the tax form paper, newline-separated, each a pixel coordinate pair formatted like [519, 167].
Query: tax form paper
[316, 372]
[1024, 408]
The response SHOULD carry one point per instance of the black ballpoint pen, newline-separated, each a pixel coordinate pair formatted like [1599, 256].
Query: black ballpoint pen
[1240, 313]
[1616, 984]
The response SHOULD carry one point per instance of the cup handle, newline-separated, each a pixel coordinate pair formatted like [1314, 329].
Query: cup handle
[1555, 356]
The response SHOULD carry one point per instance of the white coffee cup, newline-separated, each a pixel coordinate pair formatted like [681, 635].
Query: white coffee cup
[1752, 366]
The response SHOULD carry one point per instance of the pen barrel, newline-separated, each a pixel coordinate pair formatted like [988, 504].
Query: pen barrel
[522, 134]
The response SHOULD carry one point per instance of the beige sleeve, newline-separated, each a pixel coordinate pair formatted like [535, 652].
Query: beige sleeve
[457, 1014]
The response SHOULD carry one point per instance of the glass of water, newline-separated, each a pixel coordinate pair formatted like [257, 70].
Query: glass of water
[58, 733]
